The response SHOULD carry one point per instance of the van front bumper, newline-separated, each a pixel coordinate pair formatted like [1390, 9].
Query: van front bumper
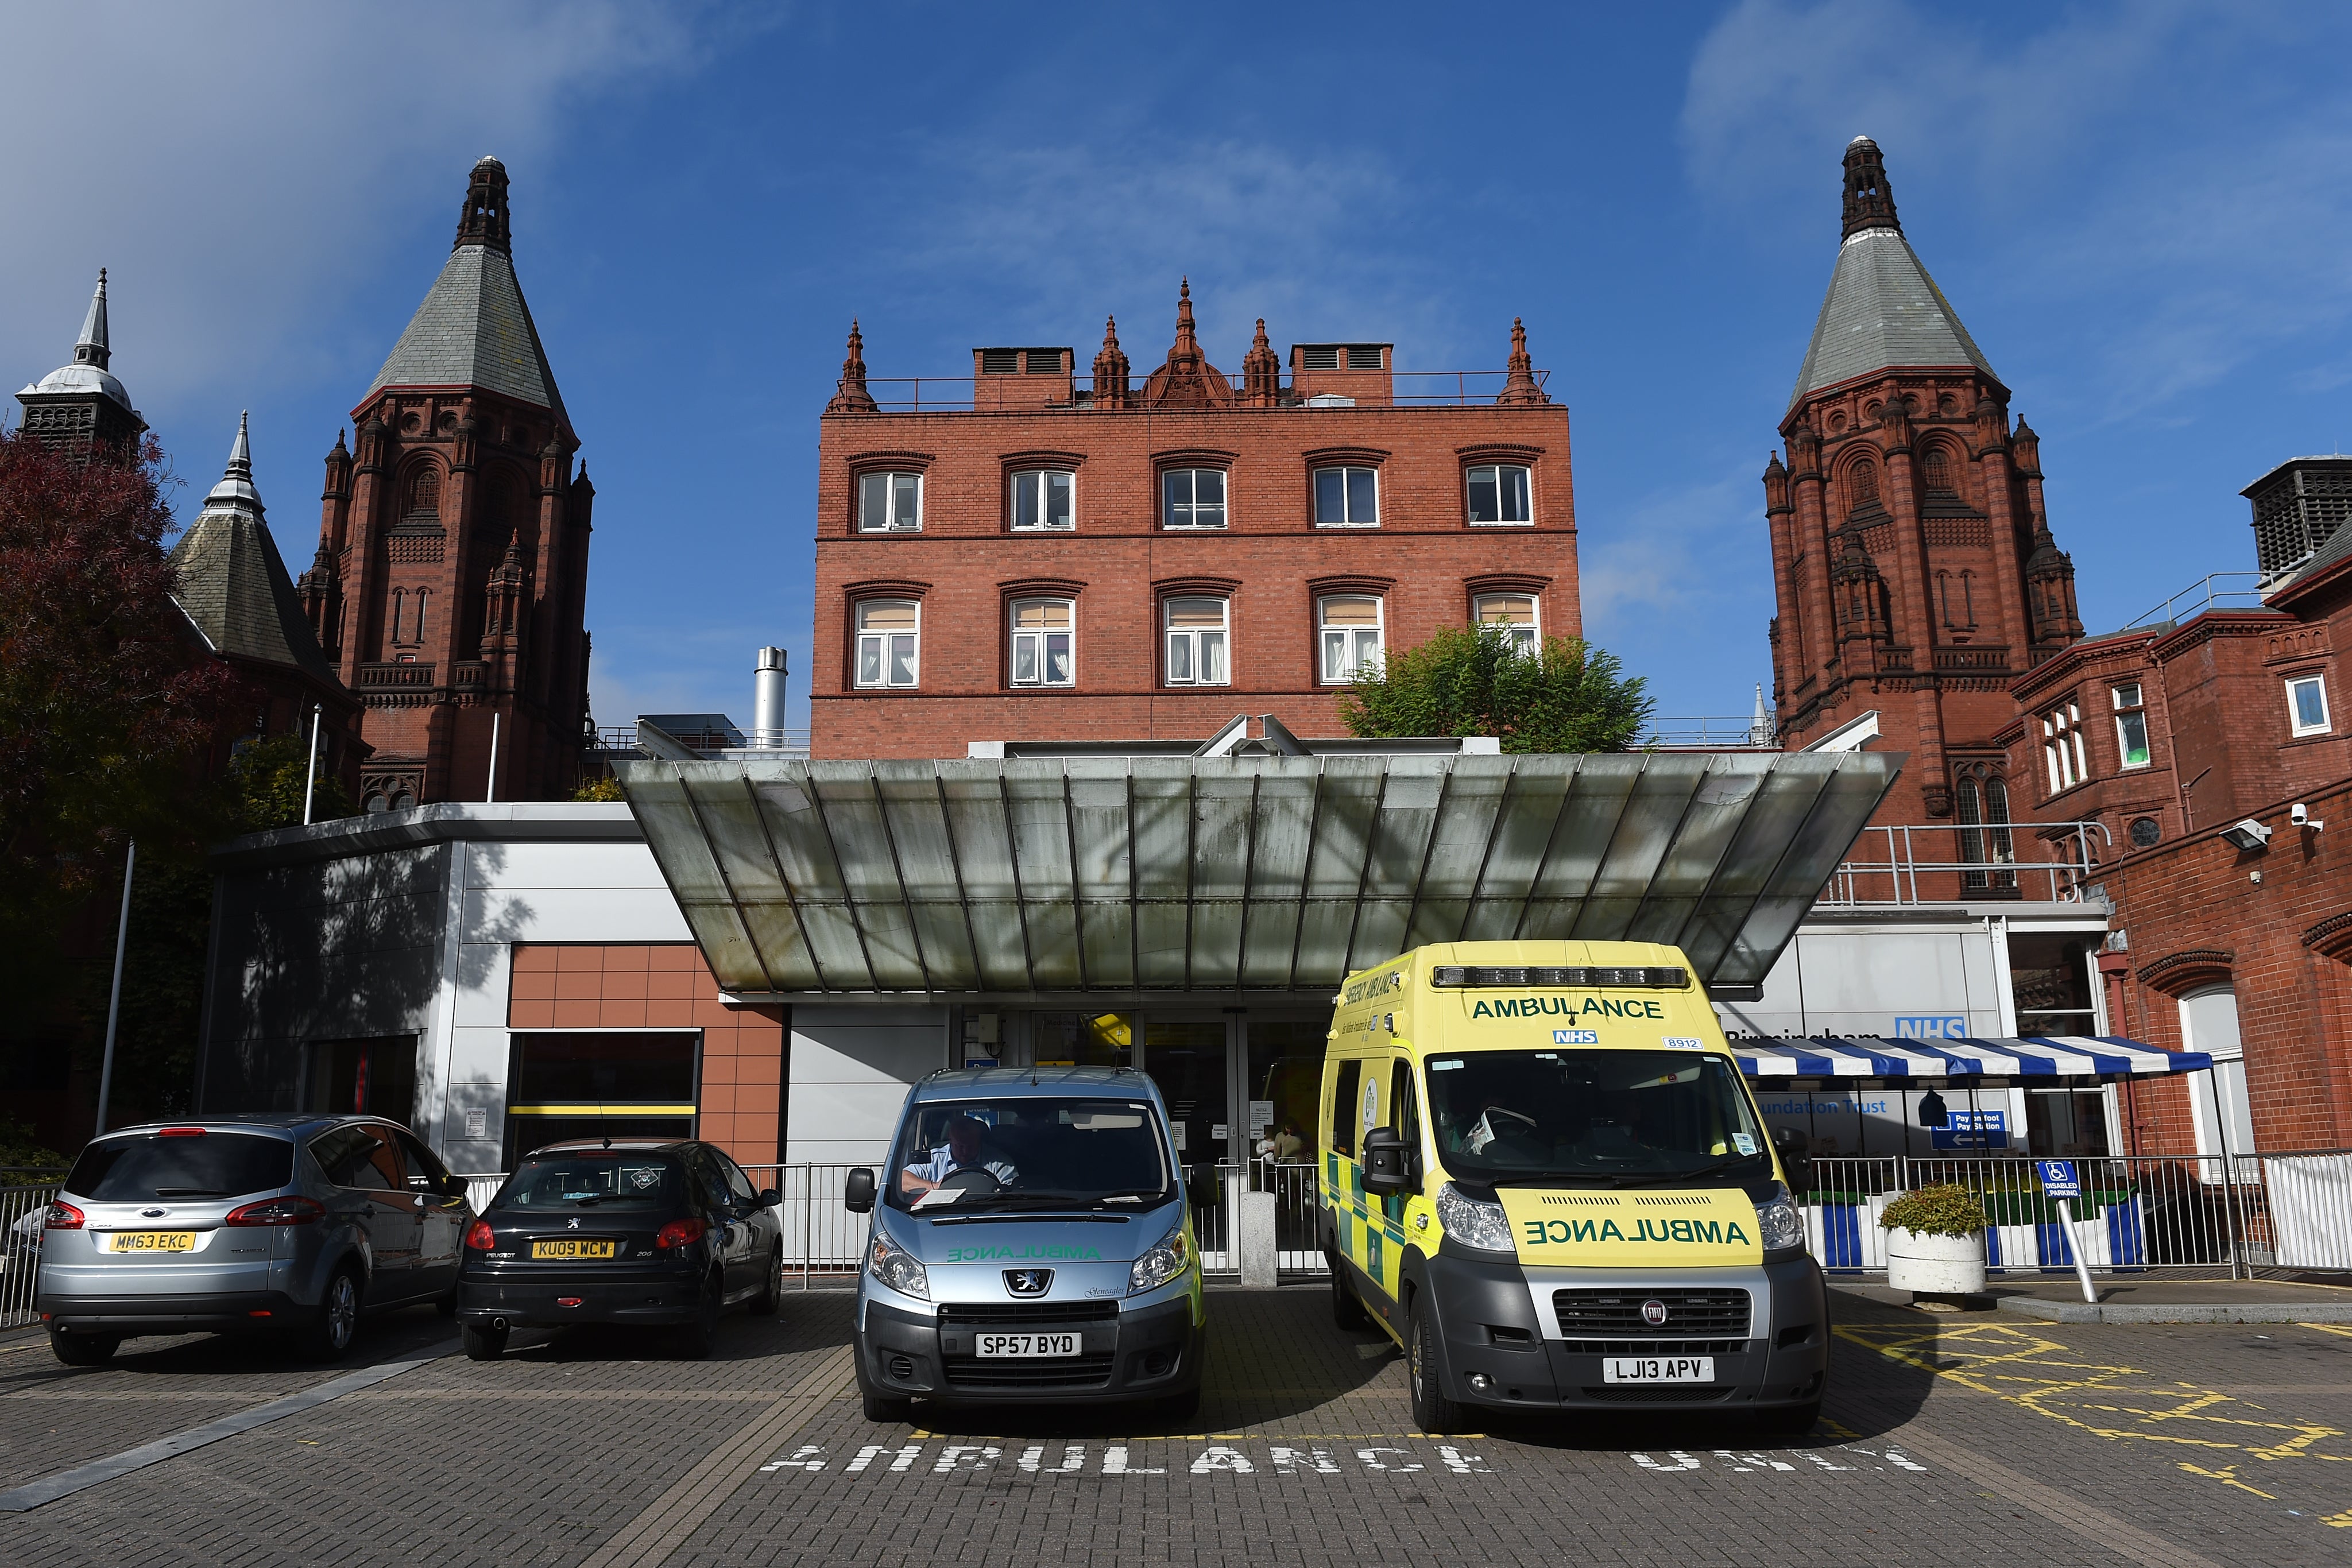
[1498, 1325]
[1144, 1353]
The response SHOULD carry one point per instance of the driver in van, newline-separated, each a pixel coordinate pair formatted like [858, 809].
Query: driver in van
[962, 1152]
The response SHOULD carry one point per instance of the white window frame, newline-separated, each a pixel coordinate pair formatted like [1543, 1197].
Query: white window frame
[1328, 671]
[1191, 475]
[2064, 758]
[2295, 723]
[1040, 481]
[1348, 519]
[1526, 638]
[1038, 641]
[880, 640]
[1194, 659]
[2125, 711]
[893, 491]
[2224, 1081]
[1526, 477]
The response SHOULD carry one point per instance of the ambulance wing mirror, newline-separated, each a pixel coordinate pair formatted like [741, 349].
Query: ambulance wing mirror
[1789, 1144]
[857, 1191]
[1387, 1163]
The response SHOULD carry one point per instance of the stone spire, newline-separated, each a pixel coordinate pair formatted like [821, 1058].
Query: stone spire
[483, 219]
[92, 348]
[1261, 372]
[1519, 380]
[850, 395]
[233, 585]
[1111, 370]
[236, 479]
[1869, 199]
[1187, 380]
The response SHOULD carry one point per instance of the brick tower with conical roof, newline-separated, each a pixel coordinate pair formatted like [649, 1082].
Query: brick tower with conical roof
[450, 582]
[1915, 568]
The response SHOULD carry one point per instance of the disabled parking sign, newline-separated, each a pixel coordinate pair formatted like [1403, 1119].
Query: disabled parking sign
[2059, 1178]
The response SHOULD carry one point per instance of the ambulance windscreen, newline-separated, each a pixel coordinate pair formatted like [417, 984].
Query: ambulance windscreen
[1635, 1117]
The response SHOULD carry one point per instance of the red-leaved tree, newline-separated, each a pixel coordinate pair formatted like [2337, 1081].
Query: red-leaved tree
[106, 697]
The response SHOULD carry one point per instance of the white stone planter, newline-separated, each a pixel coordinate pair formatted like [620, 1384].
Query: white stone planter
[1935, 1265]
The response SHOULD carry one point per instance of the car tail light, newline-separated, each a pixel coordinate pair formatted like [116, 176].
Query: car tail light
[180, 1133]
[62, 1216]
[297, 1210]
[678, 1233]
[479, 1236]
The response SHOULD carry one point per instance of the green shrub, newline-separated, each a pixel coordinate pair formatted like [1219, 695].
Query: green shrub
[606, 788]
[1936, 1211]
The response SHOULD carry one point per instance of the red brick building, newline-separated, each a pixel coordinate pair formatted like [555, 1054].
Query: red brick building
[1913, 563]
[1055, 555]
[450, 582]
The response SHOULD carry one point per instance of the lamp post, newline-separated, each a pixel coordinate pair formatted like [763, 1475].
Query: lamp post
[114, 997]
[311, 780]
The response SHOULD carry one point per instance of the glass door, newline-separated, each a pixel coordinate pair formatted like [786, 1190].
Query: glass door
[1189, 1058]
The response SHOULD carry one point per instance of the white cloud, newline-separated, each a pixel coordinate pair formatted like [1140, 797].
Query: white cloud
[240, 168]
[1648, 598]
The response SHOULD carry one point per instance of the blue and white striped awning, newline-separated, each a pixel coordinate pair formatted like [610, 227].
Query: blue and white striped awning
[2035, 1056]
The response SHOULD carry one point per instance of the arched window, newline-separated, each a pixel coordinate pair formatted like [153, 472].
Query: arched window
[424, 493]
[1981, 807]
[399, 605]
[1936, 468]
[1861, 487]
[416, 627]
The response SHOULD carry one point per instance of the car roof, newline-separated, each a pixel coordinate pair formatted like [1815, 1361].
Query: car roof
[293, 1123]
[600, 1146]
[1027, 1083]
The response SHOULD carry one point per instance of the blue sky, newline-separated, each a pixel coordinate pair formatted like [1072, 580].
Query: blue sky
[2140, 210]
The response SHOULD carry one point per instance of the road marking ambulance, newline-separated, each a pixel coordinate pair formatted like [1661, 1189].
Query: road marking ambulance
[1545, 1180]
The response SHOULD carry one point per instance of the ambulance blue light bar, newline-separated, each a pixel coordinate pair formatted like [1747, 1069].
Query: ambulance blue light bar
[1484, 975]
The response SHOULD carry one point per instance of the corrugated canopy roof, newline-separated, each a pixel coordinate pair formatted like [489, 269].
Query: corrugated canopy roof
[1233, 874]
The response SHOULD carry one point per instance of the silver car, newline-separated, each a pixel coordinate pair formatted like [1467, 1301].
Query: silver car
[293, 1222]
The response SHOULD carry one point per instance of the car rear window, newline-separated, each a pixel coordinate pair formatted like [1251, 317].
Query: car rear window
[599, 1181]
[212, 1164]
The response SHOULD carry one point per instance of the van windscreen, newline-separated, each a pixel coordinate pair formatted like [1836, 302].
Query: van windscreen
[1030, 1150]
[1637, 1117]
[152, 1168]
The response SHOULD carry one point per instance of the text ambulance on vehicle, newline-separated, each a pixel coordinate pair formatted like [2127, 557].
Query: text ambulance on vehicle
[1547, 1180]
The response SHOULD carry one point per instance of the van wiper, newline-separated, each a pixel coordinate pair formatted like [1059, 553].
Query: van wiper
[1662, 1177]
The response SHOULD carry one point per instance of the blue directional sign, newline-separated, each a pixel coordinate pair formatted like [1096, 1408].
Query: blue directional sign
[2058, 1178]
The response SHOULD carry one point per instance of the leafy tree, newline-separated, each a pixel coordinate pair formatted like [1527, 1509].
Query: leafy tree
[266, 780]
[1563, 696]
[604, 787]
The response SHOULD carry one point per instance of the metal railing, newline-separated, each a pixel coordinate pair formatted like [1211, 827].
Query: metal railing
[955, 394]
[715, 743]
[2201, 596]
[21, 1210]
[1976, 860]
[2137, 1213]
[1714, 732]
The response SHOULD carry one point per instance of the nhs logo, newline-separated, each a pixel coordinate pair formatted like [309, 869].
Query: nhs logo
[1931, 1026]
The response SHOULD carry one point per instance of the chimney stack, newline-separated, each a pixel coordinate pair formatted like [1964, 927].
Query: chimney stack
[768, 698]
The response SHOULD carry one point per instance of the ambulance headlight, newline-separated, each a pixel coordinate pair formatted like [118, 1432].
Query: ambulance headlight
[897, 1268]
[1161, 1262]
[1781, 1227]
[1472, 1221]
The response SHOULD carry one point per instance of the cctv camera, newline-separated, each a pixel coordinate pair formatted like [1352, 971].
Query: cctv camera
[2298, 813]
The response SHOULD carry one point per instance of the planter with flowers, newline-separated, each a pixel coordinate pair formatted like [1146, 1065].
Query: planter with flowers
[1935, 1242]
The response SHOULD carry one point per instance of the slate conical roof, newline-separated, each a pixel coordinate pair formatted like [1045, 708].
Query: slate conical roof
[474, 329]
[1883, 311]
[234, 585]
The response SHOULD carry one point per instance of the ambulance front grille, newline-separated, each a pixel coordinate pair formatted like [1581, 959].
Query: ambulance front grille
[1654, 1346]
[1618, 1313]
[1055, 1372]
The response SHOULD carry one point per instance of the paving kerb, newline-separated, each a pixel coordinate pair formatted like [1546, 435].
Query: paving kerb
[2144, 1301]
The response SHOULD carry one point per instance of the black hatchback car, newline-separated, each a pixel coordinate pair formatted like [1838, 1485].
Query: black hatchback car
[620, 1231]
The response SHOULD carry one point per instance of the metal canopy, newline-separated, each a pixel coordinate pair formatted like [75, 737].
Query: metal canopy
[1078, 875]
[2033, 1056]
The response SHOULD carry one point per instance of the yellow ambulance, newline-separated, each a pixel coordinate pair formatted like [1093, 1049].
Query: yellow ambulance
[1545, 1177]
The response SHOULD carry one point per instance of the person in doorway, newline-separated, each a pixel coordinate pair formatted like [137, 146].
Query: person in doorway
[963, 1152]
[1287, 1142]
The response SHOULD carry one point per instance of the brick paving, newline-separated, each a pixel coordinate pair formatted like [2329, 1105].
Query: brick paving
[1949, 1439]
